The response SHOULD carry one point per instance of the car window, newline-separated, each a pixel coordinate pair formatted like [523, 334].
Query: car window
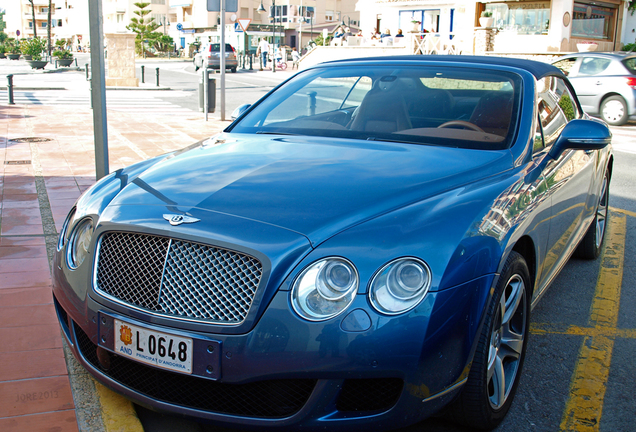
[593, 66]
[457, 107]
[556, 107]
[216, 47]
[565, 65]
[630, 64]
[321, 96]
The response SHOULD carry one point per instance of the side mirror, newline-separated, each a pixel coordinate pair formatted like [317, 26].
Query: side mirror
[240, 110]
[582, 135]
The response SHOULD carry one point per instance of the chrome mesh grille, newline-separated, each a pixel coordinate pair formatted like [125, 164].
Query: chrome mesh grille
[177, 278]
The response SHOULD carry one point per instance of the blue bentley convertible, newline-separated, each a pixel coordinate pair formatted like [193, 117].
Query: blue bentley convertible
[361, 247]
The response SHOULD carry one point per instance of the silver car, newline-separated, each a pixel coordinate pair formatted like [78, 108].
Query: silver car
[210, 57]
[604, 82]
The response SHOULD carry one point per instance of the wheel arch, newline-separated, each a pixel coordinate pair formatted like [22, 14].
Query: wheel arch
[607, 96]
[526, 248]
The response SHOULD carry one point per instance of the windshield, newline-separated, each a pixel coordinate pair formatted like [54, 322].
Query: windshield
[451, 106]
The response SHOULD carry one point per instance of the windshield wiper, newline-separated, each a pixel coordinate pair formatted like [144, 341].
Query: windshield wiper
[274, 133]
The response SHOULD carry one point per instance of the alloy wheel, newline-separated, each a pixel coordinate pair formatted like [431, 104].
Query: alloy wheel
[506, 342]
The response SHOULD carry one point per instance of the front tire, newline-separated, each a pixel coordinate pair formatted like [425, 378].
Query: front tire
[614, 111]
[494, 374]
[590, 246]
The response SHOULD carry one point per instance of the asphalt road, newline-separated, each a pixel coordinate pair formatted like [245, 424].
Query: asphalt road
[561, 362]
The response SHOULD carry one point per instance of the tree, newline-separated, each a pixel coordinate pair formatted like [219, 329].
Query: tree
[3, 25]
[35, 32]
[163, 43]
[48, 27]
[143, 27]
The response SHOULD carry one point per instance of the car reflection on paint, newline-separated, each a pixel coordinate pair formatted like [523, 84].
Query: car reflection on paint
[363, 246]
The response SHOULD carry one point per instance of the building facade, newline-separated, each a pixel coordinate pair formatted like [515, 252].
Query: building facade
[523, 26]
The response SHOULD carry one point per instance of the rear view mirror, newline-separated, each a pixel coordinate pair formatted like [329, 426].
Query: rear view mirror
[582, 134]
[240, 110]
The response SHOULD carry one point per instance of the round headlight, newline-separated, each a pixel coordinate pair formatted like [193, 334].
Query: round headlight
[80, 241]
[400, 285]
[66, 229]
[324, 289]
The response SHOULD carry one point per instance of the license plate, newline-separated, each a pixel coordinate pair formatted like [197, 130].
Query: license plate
[153, 347]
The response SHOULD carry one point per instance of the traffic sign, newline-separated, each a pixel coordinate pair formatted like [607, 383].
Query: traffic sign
[179, 26]
[244, 23]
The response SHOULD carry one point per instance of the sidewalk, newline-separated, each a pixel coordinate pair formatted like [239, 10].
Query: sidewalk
[47, 156]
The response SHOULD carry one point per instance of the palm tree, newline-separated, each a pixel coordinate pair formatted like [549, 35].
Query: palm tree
[35, 32]
[48, 27]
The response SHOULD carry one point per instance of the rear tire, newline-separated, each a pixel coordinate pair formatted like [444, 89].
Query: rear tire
[590, 246]
[614, 111]
[196, 68]
[233, 70]
[496, 367]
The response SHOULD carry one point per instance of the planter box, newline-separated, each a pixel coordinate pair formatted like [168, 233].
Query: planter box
[2, 55]
[37, 64]
[65, 62]
[486, 22]
[13, 56]
[27, 57]
[586, 47]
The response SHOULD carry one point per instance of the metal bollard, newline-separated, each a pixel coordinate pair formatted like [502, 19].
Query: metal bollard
[142, 74]
[86, 70]
[251, 58]
[157, 77]
[76, 62]
[10, 89]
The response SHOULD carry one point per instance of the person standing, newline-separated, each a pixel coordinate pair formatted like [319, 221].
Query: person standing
[263, 46]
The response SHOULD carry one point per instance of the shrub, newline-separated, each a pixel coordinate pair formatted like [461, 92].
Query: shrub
[33, 47]
[62, 54]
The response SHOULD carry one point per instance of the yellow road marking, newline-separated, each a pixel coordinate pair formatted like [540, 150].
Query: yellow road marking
[118, 413]
[584, 407]
[541, 329]
[625, 212]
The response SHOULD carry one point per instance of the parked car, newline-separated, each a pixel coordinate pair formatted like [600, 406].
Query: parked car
[605, 83]
[210, 57]
[362, 247]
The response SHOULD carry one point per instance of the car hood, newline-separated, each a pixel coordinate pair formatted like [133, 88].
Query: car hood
[313, 186]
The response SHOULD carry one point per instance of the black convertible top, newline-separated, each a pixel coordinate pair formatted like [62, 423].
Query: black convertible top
[536, 68]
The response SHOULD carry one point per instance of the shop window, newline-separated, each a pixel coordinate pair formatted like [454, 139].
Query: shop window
[524, 18]
[592, 21]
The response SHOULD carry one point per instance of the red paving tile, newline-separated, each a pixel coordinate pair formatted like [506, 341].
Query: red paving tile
[18, 228]
[22, 241]
[24, 317]
[57, 421]
[32, 364]
[31, 338]
[35, 396]
[10, 297]
[22, 252]
[34, 278]
[24, 265]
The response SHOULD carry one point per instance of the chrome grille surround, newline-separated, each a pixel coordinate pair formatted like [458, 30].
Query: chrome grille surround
[176, 278]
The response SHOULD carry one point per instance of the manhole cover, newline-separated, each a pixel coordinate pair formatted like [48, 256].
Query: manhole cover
[18, 162]
[31, 140]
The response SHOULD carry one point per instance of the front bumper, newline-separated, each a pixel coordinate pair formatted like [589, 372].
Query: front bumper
[290, 374]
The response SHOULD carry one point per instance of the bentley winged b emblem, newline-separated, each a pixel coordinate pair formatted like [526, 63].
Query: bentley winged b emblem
[176, 219]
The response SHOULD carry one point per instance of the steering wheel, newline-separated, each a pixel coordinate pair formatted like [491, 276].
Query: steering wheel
[462, 123]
